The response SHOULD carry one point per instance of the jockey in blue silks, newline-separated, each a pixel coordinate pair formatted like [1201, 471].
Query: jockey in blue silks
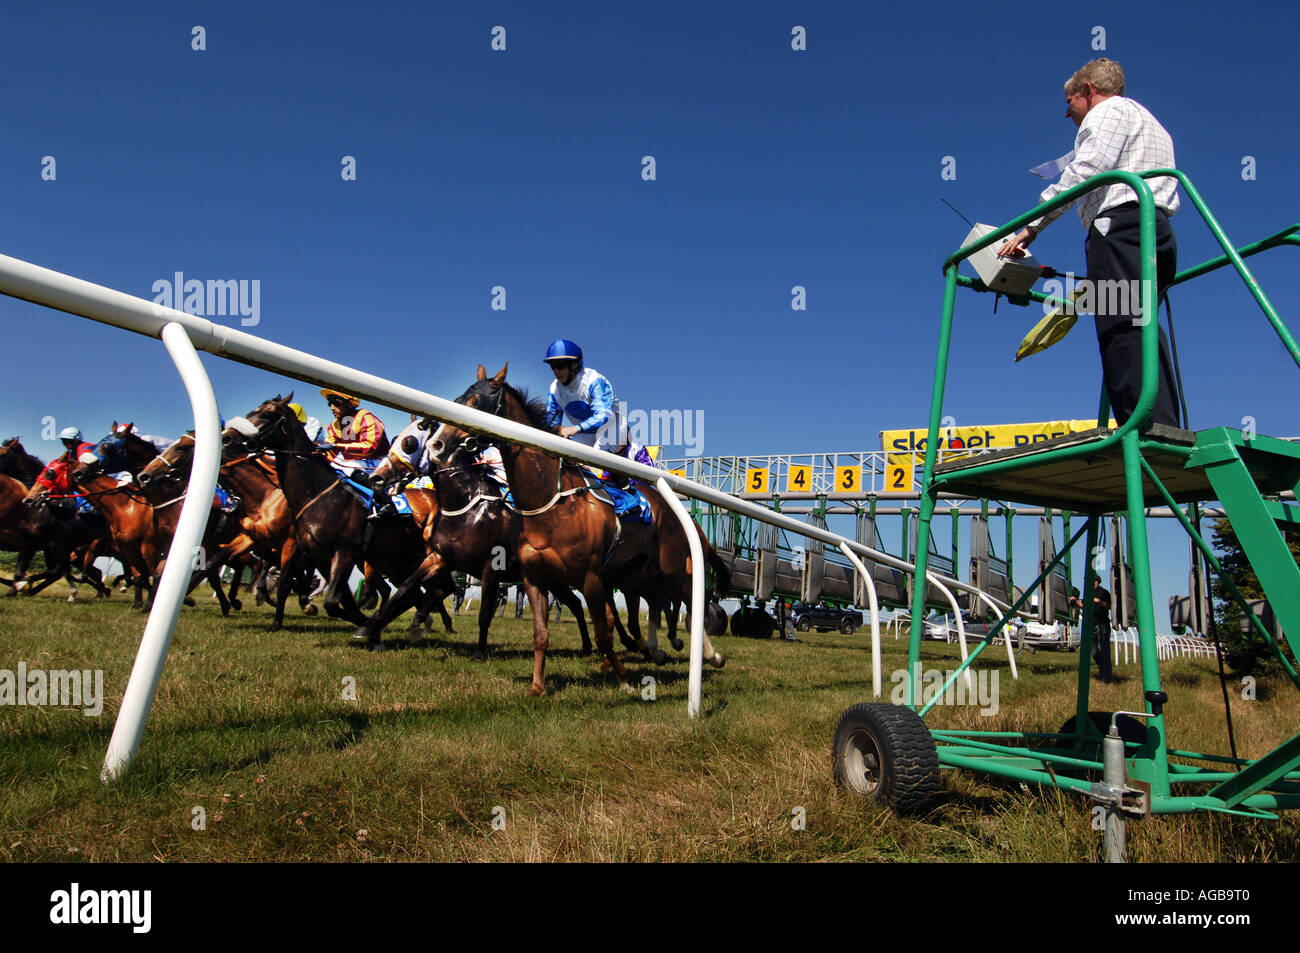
[584, 396]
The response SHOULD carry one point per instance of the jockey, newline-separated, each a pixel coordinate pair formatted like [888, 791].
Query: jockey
[315, 429]
[357, 434]
[55, 476]
[583, 395]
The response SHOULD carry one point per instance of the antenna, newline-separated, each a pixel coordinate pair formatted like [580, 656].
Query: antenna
[954, 208]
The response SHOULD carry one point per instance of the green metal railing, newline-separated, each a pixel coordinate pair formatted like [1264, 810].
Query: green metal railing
[1240, 790]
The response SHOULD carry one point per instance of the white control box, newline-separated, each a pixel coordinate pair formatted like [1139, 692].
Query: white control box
[1013, 276]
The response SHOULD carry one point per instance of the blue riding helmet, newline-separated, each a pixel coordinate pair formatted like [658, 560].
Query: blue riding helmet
[563, 350]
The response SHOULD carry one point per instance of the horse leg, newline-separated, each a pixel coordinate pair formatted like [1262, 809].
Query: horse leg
[407, 595]
[652, 650]
[635, 642]
[486, 609]
[671, 613]
[597, 595]
[566, 596]
[541, 636]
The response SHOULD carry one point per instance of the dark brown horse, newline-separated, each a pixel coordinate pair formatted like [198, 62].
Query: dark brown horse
[67, 538]
[143, 520]
[266, 527]
[474, 531]
[568, 536]
[329, 520]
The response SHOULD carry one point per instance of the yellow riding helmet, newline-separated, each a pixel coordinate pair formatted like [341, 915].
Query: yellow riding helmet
[299, 413]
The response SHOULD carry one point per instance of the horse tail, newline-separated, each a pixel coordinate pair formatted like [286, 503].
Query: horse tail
[721, 574]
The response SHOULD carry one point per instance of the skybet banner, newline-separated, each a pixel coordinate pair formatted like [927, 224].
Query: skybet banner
[908, 446]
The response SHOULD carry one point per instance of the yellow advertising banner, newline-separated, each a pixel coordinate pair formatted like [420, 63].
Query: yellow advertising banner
[908, 446]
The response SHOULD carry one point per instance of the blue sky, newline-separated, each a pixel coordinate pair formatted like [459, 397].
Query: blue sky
[523, 169]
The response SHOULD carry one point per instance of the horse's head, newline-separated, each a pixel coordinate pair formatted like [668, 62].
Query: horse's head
[491, 395]
[406, 456]
[172, 464]
[108, 456]
[10, 452]
[271, 426]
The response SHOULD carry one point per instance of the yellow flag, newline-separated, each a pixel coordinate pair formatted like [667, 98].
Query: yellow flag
[1049, 330]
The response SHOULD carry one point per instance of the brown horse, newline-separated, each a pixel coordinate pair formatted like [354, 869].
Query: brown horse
[263, 516]
[143, 520]
[67, 538]
[568, 537]
[474, 531]
[329, 520]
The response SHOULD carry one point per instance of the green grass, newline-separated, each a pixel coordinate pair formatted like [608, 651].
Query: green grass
[252, 727]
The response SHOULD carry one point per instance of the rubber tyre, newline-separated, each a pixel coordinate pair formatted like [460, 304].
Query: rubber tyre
[884, 753]
[739, 623]
[715, 619]
[803, 625]
[847, 626]
[761, 625]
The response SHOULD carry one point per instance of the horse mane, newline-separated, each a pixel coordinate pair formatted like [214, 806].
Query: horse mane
[534, 407]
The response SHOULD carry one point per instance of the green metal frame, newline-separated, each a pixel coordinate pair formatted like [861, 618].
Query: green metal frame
[1231, 785]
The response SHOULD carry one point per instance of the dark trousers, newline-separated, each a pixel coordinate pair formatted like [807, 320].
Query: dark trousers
[1101, 650]
[1116, 256]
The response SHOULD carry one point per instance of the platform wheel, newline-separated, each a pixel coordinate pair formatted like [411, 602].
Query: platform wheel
[885, 753]
[715, 619]
[761, 625]
[739, 623]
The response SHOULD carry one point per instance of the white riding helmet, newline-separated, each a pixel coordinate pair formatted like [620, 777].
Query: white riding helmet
[69, 433]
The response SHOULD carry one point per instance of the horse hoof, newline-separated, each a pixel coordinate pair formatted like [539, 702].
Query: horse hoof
[659, 657]
[274, 627]
[586, 650]
[189, 601]
[677, 644]
[236, 604]
[537, 690]
[361, 637]
[624, 686]
[718, 661]
[310, 610]
[478, 656]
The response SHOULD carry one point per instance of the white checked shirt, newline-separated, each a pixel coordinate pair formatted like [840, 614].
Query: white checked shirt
[1116, 134]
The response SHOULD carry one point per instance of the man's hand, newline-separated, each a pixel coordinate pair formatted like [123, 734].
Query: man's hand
[1015, 246]
[567, 431]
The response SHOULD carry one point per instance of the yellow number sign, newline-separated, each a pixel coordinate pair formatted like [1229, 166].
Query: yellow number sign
[799, 479]
[900, 476]
[681, 473]
[756, 480]
[848, 479]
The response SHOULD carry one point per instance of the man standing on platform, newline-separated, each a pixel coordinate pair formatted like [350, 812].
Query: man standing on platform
[1116, 133]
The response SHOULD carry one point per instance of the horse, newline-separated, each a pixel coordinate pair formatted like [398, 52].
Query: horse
[143, 520]
[475, 531]
[263, 515]
[568, 536]
[330, 522]
[66, 538]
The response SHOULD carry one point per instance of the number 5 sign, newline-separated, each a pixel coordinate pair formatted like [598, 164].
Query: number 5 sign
[756, 480]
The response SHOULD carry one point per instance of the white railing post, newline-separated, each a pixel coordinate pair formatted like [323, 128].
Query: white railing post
[696, 681]
[152, 654]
